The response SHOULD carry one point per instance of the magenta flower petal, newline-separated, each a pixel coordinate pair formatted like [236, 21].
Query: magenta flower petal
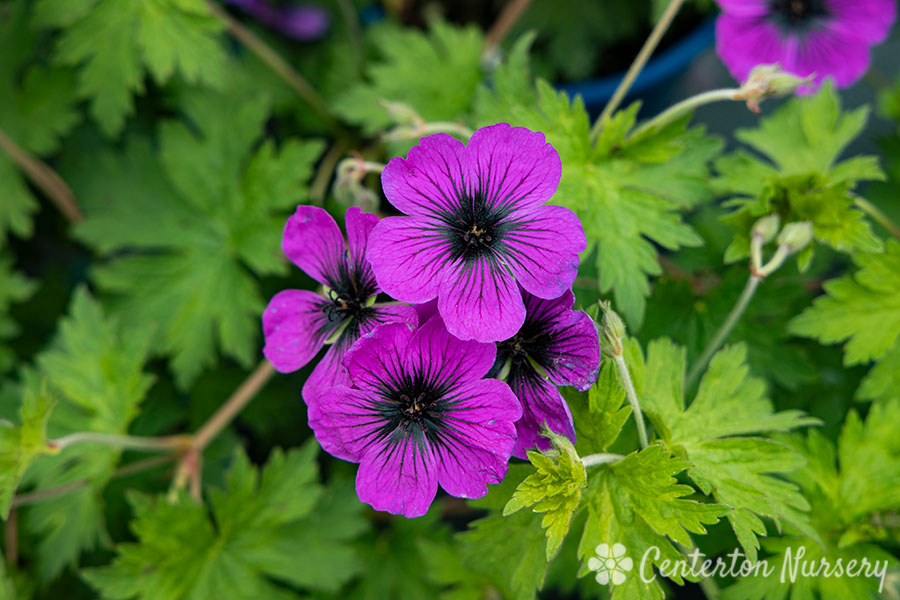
[511, 167]
[398, 477]
[409, 258]
[475, 223]
[828, 38]
[330, 371]
[461, 361]
[428, 181]
[555, 346]
[389, 313]
[480, 301]
[418, 412]
[313, 241]
[359, 226]
[476, 451]
[543, 248]
[295, 327]
[542, 406]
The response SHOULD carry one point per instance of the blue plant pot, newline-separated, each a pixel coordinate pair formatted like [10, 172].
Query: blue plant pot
[659, 69]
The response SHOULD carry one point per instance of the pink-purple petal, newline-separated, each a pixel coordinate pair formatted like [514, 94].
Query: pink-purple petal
[376, 359]
[542, 405]
[330, 371]
[479, 438]
[542, 249]
[295, 328]
[344, 421]
[480, 301]
[511, 167]
[429, 180]
[359, 226]
[389, 313]
[443, 358]
[313, 241]
[409, 258]
[398, 477]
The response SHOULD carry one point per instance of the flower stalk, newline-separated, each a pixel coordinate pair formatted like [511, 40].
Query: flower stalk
[637, 66]
[172, 443]
[601, 458]
[612, 332]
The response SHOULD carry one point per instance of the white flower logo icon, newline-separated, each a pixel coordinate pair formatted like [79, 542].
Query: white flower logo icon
[611, 564]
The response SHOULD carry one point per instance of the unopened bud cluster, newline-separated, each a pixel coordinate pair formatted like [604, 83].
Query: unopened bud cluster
[793, 238]
[612, 330]
[770, 81]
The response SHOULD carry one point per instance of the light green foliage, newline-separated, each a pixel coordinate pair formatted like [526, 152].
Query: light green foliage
[627, 191]
[434, 73]
[737, 471]
[265, 529]
[802, 180]
[37, 106]
[864, 310]
[14, 288]
[22, 444]
[853, 491]
[637, 502]
[95, 367]
[600, 414]
[554, 489]
[115, 42]
[202, 217]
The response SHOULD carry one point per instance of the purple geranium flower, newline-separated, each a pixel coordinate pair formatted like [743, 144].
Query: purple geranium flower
[477, 224]
[828, 38]
[297, 323]
[556, 346]
[419, 414]
[299, 21]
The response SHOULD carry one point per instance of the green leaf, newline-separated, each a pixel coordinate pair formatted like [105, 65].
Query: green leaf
[627, 191]
[22, 444]
[638, 503]
[37, 107]
[737, 471]
[850, 487]
[554, 489]
[883, 381]
[407, 55]
[863, 309]
[115, 42]
[186, 231]
[266, 528]
[510, 550]
[599, 414]
[802, 179]
[96, 368]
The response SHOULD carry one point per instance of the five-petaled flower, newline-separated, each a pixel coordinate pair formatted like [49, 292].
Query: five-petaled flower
[297, 323]
[611, 564]
[555, 346]
[476, 224]
[418, 414]
[828, 38]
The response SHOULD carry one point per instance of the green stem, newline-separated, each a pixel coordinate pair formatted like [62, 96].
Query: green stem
[128, 442]
[600, 458]
[635, 69]
[625, 376]
[730, 321]
[684, 107]
[875, 212]
[275, 62]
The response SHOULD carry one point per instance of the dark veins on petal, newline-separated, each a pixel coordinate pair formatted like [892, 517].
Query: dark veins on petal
[798, 14]
[534, 340]
[474, 229]
[351, 284]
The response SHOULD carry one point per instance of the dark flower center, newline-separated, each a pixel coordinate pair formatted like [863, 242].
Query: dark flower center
[350, 287]
[532, 341]
[474, 230]
[798, 13]
[344, 306]
[412, 407]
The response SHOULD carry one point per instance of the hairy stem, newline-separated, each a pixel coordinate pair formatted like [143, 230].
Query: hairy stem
[319, 188]
[44, 178]
[876, 213]
[635, 69]
[685, 106]
[129, 469]
[725, 329]
[127, 442]
[505, 21]
[275, 62]
[625, 376]
[234, 405]
[600, 458]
